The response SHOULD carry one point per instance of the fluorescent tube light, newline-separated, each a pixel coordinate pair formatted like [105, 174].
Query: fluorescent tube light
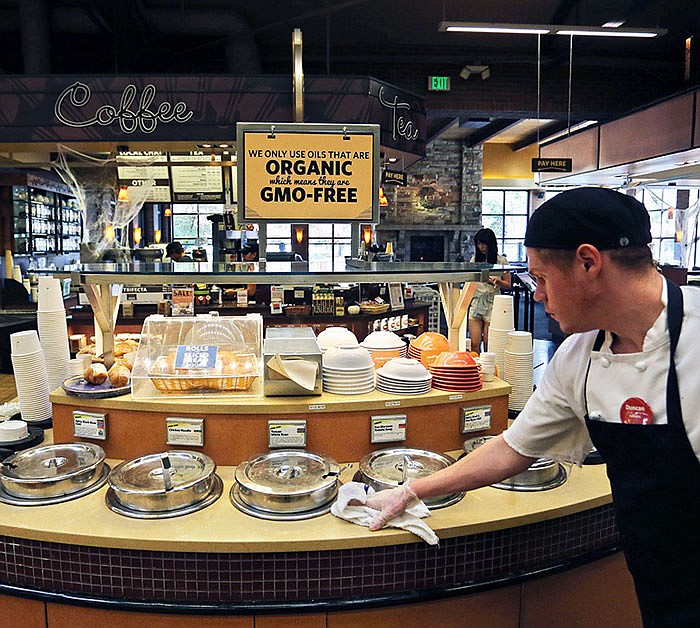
[548, 29]
[487, 27]
[595, 31]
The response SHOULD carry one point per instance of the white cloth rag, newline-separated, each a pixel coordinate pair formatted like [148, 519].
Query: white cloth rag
[410, 520]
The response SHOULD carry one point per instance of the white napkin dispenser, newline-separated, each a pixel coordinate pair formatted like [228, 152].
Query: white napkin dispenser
[292, 367]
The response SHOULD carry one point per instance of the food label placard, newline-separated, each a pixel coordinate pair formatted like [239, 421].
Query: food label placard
[388, 428]
[476, 419]
[196, 356]
[181, 431]
[89, 424]
[309, 176]
[291, 433]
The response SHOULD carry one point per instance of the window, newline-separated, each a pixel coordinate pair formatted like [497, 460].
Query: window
[692, 229]
[329, 244]
[191, 227]
[661, 205]
[506, 212]
[279, 237]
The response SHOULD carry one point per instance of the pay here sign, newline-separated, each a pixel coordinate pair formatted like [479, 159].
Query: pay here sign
[308, 172]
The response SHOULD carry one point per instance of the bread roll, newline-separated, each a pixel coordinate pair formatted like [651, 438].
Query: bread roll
[119, 375]
[96, 373]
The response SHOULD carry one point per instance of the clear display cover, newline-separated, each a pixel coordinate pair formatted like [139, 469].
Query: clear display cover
[194, 356]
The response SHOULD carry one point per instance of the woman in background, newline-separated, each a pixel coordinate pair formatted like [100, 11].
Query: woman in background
[482, 302]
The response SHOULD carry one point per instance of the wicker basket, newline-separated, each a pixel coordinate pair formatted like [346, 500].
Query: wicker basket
[371, 308]
[178, 383]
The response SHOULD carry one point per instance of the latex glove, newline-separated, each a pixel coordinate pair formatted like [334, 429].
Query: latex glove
[391, 502]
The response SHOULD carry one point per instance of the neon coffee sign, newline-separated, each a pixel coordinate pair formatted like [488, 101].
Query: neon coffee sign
[132, 115]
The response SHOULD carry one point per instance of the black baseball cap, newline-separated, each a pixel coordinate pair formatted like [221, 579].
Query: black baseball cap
[604, 218]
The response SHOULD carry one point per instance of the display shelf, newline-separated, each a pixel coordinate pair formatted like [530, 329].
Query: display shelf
[45, 217]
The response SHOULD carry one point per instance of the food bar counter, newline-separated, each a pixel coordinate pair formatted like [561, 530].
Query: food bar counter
[505, 558]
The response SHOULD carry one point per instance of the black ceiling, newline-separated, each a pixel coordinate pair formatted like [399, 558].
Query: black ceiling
[394, 40]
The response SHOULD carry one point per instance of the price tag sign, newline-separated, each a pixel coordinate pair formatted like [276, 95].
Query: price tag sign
[286, 433]
[196, 356]
[184, 431]
[89, 425]
[476, 419]
[389, 428]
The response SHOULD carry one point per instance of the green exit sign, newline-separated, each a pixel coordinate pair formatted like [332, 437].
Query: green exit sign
[438, 83]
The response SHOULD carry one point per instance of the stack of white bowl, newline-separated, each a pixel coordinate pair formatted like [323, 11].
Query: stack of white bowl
[384, 346]
[487, 360]
[31, 380]
[334, 337]
[348, 370]
[53, 332]
[500, 326]
[404, 376]
[519, 368]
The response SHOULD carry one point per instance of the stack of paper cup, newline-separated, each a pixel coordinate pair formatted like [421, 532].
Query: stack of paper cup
[31, 379]
[487, 359]
[53, 332]
[519, 368]
[501, 324]
[9, 264]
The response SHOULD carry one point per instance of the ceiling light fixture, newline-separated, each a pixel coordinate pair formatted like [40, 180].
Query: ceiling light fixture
[482, 70]
[492, 27]
[548, 29]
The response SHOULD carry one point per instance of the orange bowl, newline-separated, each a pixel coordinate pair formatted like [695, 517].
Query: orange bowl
[455, 359]
[431, 340]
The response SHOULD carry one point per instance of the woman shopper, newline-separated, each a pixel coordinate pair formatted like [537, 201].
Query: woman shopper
[482, 302]
[625, 380]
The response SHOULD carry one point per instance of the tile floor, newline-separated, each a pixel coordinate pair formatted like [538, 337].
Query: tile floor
[7, 387]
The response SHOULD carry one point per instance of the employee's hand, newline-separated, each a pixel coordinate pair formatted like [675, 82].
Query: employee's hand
[391, 503]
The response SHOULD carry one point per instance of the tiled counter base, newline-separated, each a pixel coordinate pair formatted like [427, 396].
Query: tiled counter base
[285, 581]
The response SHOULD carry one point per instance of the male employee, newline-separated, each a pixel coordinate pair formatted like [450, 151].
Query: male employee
[624, 380]
[176, 252]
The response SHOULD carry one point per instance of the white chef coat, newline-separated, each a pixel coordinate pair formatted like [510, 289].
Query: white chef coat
[552, 422]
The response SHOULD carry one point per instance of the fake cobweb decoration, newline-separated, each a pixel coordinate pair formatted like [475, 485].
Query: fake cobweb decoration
[94, 183]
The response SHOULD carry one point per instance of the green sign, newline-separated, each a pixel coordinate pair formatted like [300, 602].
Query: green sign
[438, 83]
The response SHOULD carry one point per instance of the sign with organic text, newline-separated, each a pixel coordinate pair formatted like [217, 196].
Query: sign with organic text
[305, 172]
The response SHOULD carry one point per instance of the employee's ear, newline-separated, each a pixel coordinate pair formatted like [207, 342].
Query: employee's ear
[588, 256]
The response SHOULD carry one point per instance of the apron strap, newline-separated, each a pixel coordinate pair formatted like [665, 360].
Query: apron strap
[674, 311]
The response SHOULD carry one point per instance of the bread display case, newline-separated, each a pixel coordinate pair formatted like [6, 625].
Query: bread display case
[198, 355]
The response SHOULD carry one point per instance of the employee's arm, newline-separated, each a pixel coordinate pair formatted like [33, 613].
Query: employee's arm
[494, 461]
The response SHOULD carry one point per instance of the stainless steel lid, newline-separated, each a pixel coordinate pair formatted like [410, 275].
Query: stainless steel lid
[287, 473]
[52, 462]
[396, 465]
[158, 473]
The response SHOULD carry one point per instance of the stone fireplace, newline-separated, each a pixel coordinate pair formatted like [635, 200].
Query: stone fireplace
[426, 248]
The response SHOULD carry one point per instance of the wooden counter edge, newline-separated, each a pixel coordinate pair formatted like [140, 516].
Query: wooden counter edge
[230, 404]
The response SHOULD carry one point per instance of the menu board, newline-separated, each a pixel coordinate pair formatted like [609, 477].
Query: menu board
[197, 183]
[139, 169]
[308, 172]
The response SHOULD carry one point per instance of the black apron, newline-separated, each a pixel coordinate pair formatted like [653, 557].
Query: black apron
[655, 479]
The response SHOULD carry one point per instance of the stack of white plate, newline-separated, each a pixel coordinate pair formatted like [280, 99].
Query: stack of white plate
[384, 346]
[334, 337]
[348, 370]
[519, 368]
[31, 379]
[403, 376]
